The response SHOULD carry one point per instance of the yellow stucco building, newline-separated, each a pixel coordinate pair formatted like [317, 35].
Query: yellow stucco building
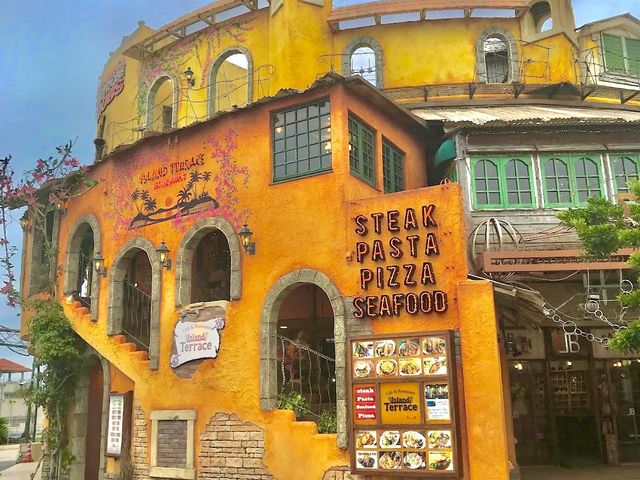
[275, 237]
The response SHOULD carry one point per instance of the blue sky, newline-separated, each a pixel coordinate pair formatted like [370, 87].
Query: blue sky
[52, 53]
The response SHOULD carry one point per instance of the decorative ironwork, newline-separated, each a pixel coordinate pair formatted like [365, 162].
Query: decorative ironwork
[308, 372]
[136, 315]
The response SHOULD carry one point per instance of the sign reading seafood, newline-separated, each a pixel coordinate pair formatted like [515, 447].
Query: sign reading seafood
[196, 339]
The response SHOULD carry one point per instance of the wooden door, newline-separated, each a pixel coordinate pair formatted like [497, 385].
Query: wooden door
[94, 423]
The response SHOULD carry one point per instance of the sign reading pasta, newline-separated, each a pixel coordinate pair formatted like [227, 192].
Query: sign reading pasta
[402, 405]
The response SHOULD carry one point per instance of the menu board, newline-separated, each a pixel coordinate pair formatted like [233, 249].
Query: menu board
[402, 405]
[119, 424]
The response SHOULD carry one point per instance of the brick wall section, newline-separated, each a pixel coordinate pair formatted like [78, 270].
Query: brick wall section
[232, 450]
[172, 443]
[140, 443]
[340, 473]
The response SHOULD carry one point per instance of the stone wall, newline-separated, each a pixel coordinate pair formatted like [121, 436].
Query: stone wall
[172, 443]
[140, 443]
[232, 449]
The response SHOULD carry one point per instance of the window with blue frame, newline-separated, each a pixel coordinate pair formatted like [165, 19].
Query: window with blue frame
[502, 181]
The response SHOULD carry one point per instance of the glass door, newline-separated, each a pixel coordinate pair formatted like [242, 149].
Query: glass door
[625, 383]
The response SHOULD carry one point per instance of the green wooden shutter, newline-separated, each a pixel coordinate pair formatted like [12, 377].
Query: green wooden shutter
[613, 53]
[633, 55]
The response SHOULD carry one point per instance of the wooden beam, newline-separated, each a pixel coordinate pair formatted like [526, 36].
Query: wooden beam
[624, 99]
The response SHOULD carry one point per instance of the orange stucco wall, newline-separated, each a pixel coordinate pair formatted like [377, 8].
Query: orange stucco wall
[291, 232]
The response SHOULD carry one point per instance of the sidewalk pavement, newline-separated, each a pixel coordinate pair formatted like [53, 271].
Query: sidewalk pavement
[20, 471]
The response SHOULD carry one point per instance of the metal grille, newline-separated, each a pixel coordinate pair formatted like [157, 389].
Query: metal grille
[136, 315]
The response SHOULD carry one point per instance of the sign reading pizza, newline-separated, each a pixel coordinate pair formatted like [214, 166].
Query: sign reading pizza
[395, 249]
[402, 407]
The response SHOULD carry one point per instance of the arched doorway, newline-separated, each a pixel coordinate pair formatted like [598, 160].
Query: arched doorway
[85, 270]
[211, 268]
[496, 57]
[136, 299]
[306, 349]
[93, 449]
[363, 63]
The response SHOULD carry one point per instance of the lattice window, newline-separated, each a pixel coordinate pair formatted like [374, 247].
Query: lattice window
[625, 168]
[569, 180]
[362, 151]
[302, 141]
[392, 168]
[502, 182]
[621, 55]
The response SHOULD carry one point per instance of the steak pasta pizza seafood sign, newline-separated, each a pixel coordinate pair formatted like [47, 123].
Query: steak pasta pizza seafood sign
[397, 248]
[403, 405]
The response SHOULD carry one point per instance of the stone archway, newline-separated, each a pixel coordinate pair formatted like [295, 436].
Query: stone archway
[73, 256]
[186, 250]
[116, 293]
[268, 334]
[213, 104]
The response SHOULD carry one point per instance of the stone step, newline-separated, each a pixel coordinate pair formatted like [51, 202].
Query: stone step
[140, 355]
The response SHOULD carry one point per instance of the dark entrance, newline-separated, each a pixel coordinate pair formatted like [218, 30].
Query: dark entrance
[94, 422]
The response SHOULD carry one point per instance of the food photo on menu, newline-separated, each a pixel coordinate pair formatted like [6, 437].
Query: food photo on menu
[385, 348]
[390, 439]
[387, 368]
[439, 439]
[412, 439]
[363, 350]
[410, 367]
[366, 439]
[367, 459]
[435, 365]
[409, 347]
[434, 346]
[362, 368]
[440, 461]
[390, 460]
[414, 460]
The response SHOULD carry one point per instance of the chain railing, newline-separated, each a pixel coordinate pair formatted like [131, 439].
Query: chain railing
[136, 315]
[308, 372]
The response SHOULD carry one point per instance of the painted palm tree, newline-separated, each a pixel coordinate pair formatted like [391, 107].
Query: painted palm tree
[184, 195]
[206, 177]
[194, 178]
[135, 195]
[150, 204]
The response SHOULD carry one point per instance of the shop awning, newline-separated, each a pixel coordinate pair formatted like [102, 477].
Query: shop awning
[445, 153]
[516, 304]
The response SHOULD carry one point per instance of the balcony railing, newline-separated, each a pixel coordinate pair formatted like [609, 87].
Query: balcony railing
[308, 372]
[136, 315]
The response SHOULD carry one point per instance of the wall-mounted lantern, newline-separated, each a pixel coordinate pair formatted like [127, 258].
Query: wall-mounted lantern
[245, 236]
[189, 75]
[61, 206]
[163, 252]
[98, 265]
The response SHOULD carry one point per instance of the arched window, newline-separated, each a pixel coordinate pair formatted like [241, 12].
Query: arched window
[556, 177]
[79, 278]
[161, 105]
[518, 182]
[231, 80]
[208, 263]
[363, 57]
[570, 180]
[134, 297]
[211, 269]
[625, 169]
[487, 184]
[541, 15]
[497, 57]
[301, 308]
[587, 179]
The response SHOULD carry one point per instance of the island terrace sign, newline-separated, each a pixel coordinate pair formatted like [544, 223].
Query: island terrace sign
[400, 261]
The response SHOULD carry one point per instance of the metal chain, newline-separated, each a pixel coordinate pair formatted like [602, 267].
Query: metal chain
[570, 327]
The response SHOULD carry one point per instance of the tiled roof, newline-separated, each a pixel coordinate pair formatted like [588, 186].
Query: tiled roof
[7, 366]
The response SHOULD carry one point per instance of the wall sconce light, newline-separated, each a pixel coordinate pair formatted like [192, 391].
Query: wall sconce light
[98, 265]
[25, 221]
[189, 75]
[245, 236]
[61, 206]
[163, 251]
[70, 296]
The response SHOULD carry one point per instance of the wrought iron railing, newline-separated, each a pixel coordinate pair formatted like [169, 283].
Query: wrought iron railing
[136, 315]
[308, 372]
[85, 277]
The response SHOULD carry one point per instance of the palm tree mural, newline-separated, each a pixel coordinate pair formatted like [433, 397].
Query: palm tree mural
[149, 204]
[135, 195]
[206, 176]
[194, 178]
[184, 195]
